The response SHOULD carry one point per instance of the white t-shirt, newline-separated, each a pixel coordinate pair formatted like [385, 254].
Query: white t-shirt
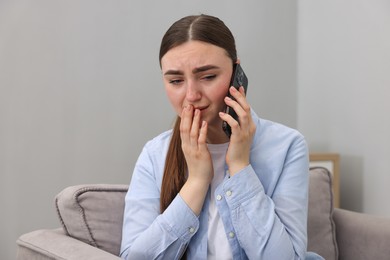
[217, 244]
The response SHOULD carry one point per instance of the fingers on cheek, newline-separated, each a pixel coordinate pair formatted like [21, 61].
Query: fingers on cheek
[228, 101]
[223, 116]
[237, 93]
[234, 104]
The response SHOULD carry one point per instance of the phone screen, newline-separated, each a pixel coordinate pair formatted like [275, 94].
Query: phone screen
[238, 79]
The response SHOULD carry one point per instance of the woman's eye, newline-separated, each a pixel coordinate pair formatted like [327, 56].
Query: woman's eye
[209, 77]
[175, 81]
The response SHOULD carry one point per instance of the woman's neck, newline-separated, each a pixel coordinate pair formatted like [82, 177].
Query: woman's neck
[216, 136]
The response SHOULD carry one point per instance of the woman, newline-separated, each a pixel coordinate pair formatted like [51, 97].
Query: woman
[195, 193]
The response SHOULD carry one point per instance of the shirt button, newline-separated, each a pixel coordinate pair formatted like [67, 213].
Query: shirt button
[219, 197]
[229, 193]
[191, 230]
[231, 234]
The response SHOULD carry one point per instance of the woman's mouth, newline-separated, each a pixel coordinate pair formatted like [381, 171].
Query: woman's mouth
[202, 108]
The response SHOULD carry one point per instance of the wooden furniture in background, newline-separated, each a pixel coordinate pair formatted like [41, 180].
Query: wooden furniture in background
[330, 161]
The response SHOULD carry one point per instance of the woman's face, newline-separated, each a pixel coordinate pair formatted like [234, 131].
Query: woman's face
[198, 74]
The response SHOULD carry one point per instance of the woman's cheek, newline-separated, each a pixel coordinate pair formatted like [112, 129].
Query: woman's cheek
[174, 100]
[224, 90]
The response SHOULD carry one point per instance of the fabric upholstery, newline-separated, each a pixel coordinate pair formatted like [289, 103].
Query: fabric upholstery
[53, 244]
[93, 214]
[321, 227]
[362, 236]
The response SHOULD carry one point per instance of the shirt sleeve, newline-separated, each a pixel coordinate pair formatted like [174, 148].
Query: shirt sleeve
[271, 226]
[146, 233]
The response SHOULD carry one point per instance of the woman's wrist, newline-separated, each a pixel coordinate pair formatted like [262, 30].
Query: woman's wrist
[237, 167]
[194, 193]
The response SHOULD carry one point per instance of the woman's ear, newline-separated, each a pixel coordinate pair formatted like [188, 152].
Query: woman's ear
[238, 61]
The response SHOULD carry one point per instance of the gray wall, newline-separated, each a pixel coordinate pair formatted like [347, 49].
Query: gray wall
[81, 91]
[344, 91]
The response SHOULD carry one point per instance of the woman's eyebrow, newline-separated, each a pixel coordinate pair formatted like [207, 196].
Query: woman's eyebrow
[194, 71]
[204, 68]
[173, 72]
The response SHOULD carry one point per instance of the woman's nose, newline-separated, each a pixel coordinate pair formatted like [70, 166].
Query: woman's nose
[193, 92]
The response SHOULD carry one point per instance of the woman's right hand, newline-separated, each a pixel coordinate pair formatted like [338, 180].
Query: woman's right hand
[193, 135]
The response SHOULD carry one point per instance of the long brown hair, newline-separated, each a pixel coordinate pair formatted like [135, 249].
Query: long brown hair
[203, 28]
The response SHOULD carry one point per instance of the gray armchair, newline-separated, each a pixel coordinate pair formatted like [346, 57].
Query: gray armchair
[91, 218]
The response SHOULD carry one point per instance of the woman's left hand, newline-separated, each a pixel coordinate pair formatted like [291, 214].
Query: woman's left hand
[237, 156]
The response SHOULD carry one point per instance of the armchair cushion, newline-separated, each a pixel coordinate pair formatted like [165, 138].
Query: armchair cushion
[320, 225]
[92, 214]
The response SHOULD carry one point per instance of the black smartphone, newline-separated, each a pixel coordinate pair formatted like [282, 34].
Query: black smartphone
[238, 79]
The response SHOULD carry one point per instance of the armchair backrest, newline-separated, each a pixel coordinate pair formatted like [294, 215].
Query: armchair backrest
[321, 229]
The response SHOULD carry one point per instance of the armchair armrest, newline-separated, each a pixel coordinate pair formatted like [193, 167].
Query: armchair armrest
[361, 236]
[54, 244]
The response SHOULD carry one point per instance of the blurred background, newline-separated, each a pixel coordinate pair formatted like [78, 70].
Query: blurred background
[81, 91]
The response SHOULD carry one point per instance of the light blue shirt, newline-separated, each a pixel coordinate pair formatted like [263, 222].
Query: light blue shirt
[263, 207]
